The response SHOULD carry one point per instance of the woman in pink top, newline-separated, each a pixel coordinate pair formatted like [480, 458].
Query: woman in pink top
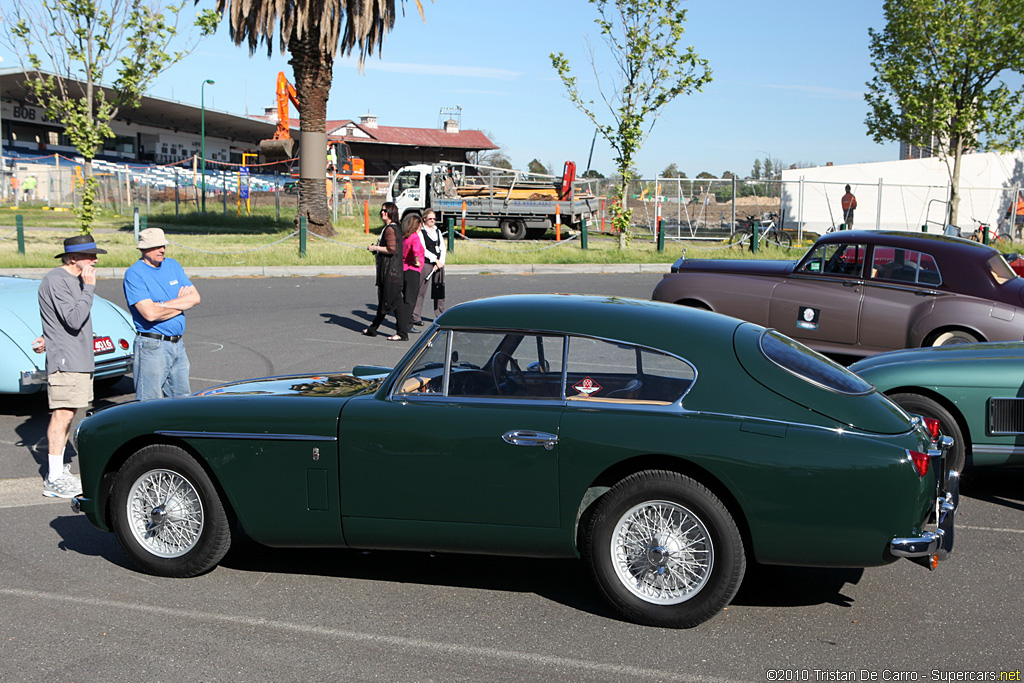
[412, 265]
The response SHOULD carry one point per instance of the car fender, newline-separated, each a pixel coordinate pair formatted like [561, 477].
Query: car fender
[987, 320]
[14, 360]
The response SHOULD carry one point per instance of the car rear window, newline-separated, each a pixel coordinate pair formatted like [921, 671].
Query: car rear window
[1000, 269]
[905, 265]
[810, 366]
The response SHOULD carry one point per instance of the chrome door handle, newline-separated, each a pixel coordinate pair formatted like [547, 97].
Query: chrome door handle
[527, 437]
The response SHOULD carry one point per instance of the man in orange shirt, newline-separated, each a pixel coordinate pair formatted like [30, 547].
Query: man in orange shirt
[849, 203]
[1018, 219]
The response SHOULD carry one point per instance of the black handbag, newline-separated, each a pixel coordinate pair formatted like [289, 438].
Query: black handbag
[437, 285]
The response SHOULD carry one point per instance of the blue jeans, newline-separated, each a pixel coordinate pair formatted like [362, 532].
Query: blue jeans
[161, 369]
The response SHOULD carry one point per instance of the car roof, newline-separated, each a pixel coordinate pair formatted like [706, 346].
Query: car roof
[936, 244]
[673, 328]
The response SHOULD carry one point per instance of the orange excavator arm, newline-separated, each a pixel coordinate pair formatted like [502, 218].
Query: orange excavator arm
[285, 92]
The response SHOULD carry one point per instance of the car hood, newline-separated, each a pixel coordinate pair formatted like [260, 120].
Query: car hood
[996, 366]
[749, 267]
[955, 353]
[335, 384]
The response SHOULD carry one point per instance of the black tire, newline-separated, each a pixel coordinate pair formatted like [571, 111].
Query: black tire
[951, 337]
[927, 407]
[512, 229]
[740, 238]
[678, 575]
[187, 532]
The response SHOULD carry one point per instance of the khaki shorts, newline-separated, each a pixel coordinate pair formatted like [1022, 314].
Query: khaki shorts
[69, 389]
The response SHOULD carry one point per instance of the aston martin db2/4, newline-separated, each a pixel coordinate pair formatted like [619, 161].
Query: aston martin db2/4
[665, 445]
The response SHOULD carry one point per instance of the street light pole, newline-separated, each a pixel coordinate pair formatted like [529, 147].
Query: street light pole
[202, 134]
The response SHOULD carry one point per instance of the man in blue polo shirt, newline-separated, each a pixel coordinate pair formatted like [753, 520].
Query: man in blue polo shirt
[158, 293]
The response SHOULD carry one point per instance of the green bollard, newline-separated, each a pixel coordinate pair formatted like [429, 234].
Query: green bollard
[755, 236]
[302, 237]
[661, 236]
[583, 234]
[19, 221]
[451, 234]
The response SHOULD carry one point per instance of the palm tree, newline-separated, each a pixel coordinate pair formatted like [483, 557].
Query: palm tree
[312, 32]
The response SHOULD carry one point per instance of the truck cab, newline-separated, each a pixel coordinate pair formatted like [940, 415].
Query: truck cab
[409, 189]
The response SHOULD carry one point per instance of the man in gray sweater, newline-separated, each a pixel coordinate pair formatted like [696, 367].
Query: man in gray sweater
[65, 306]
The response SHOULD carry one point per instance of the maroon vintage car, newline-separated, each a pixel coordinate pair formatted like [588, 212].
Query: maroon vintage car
[861, 292]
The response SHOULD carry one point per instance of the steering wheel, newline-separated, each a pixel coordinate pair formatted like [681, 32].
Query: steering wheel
[506, 382]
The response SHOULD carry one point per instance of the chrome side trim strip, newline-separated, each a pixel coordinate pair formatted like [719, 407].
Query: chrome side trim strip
[248, 436]
[997, 450]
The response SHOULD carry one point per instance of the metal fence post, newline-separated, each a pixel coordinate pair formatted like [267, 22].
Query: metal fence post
[878, 213]
[135, 223]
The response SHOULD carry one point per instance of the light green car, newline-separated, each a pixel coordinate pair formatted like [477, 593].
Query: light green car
[975, 391]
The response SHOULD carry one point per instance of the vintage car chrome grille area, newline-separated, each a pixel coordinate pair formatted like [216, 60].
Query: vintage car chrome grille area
[1006, 415]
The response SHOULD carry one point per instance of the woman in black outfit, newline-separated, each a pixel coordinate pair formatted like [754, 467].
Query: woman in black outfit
[388, 251]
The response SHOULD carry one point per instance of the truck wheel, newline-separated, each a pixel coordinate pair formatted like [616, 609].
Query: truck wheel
[512, 229]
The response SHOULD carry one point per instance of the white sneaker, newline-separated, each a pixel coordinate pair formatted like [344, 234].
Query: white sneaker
[66, 485]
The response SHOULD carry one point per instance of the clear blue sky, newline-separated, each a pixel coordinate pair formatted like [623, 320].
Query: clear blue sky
[788, 81]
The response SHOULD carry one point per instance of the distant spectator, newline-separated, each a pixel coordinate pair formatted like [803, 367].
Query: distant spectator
[849, 203]
[347, 196]
[388, 256]
[434, 253]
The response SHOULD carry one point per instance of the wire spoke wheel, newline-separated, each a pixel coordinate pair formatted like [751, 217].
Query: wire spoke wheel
[662, 552]
[165, 513]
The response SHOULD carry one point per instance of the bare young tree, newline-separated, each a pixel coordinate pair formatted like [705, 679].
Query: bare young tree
[653, 67]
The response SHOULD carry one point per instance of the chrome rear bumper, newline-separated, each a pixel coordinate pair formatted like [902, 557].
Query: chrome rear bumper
[936, 542]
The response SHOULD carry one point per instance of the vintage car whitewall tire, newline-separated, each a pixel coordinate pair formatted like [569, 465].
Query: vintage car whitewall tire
[950, 337]
[664, 550]
[167, 514]
[917, 404]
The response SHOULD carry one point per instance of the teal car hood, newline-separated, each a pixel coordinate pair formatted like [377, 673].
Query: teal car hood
[20, 309]
[336, 384]
[989, 364]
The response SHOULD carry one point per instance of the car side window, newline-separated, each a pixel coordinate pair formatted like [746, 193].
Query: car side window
[835, 259]
[904, 265]
[505, 364]
[599, 370]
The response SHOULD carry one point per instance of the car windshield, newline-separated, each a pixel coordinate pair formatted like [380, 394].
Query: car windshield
[811, 366]
[1000, 269]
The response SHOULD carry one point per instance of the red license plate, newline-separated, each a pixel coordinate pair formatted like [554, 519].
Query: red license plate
[102, 345]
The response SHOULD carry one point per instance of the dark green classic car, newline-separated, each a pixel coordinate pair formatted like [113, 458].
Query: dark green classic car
[975, 391]
[667, 446]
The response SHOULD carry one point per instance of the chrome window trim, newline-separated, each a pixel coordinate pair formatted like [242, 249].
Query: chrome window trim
[565, 336]
[246, 436]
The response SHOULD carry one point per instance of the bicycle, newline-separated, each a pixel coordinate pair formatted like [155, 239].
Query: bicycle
[995, 236]
[767, 232]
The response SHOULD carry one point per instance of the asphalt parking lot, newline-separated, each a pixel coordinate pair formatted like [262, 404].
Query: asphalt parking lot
[73, 609]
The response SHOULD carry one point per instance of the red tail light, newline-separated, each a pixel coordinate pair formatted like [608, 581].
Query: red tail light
[920, 461]
[123, 343]
[934, 428]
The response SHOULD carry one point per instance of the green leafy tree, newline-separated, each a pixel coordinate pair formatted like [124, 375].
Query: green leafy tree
[313, 32]
[592, 173]
[536, 166]
[68, 48]
[755, 172]
[704, 175]
[644, 38]
[939, 79]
